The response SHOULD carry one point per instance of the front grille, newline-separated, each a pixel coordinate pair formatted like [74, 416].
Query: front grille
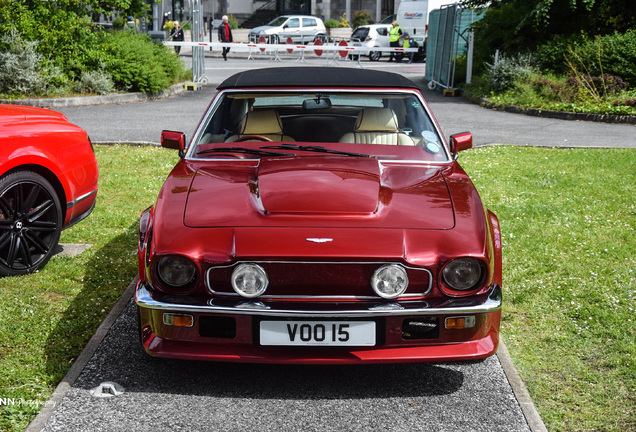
[326, 280]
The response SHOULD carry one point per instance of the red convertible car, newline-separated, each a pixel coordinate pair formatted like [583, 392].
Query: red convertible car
[318, 216]
[48, 182]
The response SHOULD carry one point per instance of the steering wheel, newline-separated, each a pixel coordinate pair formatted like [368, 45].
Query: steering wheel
[253, 137]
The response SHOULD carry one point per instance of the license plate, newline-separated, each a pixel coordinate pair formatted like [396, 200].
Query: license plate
[318, 333]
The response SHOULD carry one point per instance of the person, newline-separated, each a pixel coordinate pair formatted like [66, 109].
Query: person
[225, 35]
[395, 34]
[177, 36]
[409, 42]
[131, 24]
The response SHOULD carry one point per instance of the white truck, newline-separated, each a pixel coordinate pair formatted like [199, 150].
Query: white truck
[412, 16]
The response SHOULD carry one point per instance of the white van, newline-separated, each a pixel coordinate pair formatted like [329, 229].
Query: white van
[412, 16]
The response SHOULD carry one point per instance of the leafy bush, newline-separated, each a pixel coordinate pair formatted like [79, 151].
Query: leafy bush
[343, 23]
[551, 55]
[331, 23]
[502, 74]
[233, 22]
[361, 17]
[613, 54]
[119, 22]
[19, 66]
[96, 81]
[137, 64]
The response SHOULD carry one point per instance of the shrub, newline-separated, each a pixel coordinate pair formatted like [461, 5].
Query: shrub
[137, 64]
[19, 66]
[98, 82]
[626, 102]
[361, 17]
[119, 22]
[613, 54]
[233, 22]
[502, 74]
[331, 23]
[343, 23]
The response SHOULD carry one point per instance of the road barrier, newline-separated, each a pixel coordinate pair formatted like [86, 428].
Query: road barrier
[331, 50]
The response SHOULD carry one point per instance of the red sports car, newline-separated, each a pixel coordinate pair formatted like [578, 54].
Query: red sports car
[318, 215]
[48, 182]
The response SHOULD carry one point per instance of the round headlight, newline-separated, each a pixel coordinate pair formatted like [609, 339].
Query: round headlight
[175, 270]
[462, 273]
[389, 281]
[249, 280]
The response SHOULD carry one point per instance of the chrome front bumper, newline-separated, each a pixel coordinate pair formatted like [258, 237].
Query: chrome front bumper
[144, 299]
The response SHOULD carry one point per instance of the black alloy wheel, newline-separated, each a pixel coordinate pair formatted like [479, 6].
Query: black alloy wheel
[30, 222]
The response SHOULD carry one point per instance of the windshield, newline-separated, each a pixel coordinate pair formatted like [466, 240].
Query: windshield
[278, 21]
[331, 119]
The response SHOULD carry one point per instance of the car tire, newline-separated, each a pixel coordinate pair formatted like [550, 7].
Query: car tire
[30, 222]
[375, 55]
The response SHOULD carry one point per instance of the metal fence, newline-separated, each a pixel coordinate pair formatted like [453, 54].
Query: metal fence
[449, 36]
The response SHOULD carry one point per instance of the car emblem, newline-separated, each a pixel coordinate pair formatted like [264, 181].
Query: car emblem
[319, 240]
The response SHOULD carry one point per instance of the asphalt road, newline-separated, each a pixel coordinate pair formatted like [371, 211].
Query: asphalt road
[143, 121]
[169, 395]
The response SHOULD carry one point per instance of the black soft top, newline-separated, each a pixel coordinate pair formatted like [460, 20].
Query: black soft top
[316, 77]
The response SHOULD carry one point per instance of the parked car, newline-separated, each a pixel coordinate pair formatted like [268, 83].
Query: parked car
[372, 35]
[48, 182]
[301, 28]
[318, 215]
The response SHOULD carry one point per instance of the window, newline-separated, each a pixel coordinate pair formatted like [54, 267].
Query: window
[309, 22]
[293, 23]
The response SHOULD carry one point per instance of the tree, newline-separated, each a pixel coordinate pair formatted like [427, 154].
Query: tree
[529, 23]
[62, 28]
[513, 26]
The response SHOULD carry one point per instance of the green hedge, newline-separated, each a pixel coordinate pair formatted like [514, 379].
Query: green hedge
[613, 54]
[137, 64]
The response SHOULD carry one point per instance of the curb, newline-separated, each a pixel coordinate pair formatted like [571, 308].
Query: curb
[561, 115]
[82, 360]
[519, 389]
[96, 100]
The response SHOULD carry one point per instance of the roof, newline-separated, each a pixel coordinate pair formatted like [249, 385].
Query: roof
[316, 77]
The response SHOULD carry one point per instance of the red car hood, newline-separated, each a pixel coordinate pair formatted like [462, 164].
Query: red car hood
[327, 191]
[12, 114]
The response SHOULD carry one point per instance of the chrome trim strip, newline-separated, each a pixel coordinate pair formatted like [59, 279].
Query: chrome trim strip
[144, 299]
[208, 285]
[79, 199]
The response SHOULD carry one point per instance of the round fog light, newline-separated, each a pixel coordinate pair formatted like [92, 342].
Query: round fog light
[249, 280]
[390, 281]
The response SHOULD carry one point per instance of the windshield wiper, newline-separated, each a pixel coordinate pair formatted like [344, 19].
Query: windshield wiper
[256, 152]
[317, 149]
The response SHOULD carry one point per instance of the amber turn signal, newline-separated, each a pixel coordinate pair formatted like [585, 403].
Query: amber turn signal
[460, 322]
[178, 320]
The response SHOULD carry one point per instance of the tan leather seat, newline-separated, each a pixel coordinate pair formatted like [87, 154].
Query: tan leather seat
[377, 126]
[266, 123]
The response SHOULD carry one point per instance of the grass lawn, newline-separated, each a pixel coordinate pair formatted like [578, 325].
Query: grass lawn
[568, 219]
[47, 318]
